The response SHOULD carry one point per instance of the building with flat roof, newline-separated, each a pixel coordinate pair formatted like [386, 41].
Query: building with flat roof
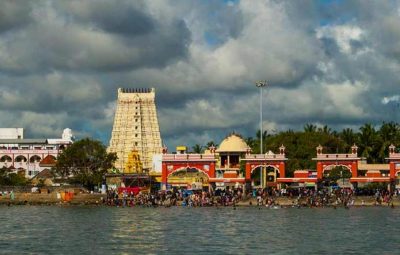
[29, 157]
[11, 133]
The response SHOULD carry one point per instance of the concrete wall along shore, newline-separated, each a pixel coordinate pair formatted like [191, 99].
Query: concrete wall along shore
[51, 198]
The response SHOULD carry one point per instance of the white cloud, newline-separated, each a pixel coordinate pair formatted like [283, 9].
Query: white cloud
[386, 100]
[342, 34]
[345, 98]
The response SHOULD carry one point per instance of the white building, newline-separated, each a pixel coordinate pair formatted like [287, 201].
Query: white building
[28, 157]
[11, 133]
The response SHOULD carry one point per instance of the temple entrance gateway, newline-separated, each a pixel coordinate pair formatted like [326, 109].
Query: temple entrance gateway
[263, 170]
[264, 176]
[337, 175]
[329, 161]
[189, 178]
[349, 166]
[187, 170]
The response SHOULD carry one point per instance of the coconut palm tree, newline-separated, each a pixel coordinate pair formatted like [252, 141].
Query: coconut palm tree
[348, 136]
[388, 134]
[197, 148]
[211, 143]
[251, 142]
[368, 140]
[325, 130]
[310, 128]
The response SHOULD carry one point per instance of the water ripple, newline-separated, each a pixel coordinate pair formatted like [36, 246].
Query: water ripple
[104, 230]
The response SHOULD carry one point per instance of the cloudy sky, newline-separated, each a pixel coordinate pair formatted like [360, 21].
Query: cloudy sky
[331, 62]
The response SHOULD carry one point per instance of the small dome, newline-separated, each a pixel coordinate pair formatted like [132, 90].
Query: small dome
[67, 134]
[233, 143]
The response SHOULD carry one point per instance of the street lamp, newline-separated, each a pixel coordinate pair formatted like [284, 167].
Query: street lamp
[261, 84]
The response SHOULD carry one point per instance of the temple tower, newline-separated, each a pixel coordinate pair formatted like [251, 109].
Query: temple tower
[135, 127]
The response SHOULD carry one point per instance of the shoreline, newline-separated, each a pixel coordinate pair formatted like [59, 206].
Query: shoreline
[97, 199]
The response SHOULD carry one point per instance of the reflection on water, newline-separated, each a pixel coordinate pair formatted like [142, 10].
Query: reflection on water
[104, 230]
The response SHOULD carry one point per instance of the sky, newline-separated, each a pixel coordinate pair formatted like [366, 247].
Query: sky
[334, 63]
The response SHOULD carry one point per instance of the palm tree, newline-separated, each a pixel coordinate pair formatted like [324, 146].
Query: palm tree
[325, 130]
[211, 143]
[250, 142]
[264, 136]
[348, 136]
[388, 134]
[197, 148]
[310, 128]
[368, 141]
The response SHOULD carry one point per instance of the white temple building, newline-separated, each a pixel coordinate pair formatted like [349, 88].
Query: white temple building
[29, 157]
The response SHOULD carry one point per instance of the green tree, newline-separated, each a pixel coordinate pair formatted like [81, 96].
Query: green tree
[388, 134]
[15, 179]
[368, 138]
[11, 179]
[325, 129]
[211, 143]
[197, 148]
[310, 128]
[251, 142]
[349, 137]
[87, 160]
[339, 172]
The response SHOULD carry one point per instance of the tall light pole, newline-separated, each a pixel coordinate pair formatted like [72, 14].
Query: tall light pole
[261, 84]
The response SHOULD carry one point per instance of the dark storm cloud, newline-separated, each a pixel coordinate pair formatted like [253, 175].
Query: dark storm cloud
[123, 18]
[104, 37]
[327, 62]
[14, 14]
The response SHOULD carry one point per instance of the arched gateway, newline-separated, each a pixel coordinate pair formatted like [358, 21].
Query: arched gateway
[328, 161]
[197, 167]
[263, 161]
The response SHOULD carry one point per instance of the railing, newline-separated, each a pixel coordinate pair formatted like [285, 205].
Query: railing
[336, 156]
[265, 156]
[394, 155]
[187, 157]
[16, 151]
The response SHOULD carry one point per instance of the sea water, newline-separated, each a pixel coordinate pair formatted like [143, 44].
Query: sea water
[183, 230]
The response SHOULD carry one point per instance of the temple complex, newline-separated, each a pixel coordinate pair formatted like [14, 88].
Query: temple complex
[135, 127]
[233, 165]
[229, 165]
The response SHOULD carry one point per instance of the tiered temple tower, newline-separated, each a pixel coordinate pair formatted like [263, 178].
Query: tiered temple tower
[135, 127]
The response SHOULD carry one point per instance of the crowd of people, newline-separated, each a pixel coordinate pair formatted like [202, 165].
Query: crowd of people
[269, 197]
[190, 198]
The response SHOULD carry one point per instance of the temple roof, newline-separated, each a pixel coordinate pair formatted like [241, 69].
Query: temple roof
[45, 173]
[47, 161]
[233, 143]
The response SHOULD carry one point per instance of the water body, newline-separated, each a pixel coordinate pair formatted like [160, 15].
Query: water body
[106, 230]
